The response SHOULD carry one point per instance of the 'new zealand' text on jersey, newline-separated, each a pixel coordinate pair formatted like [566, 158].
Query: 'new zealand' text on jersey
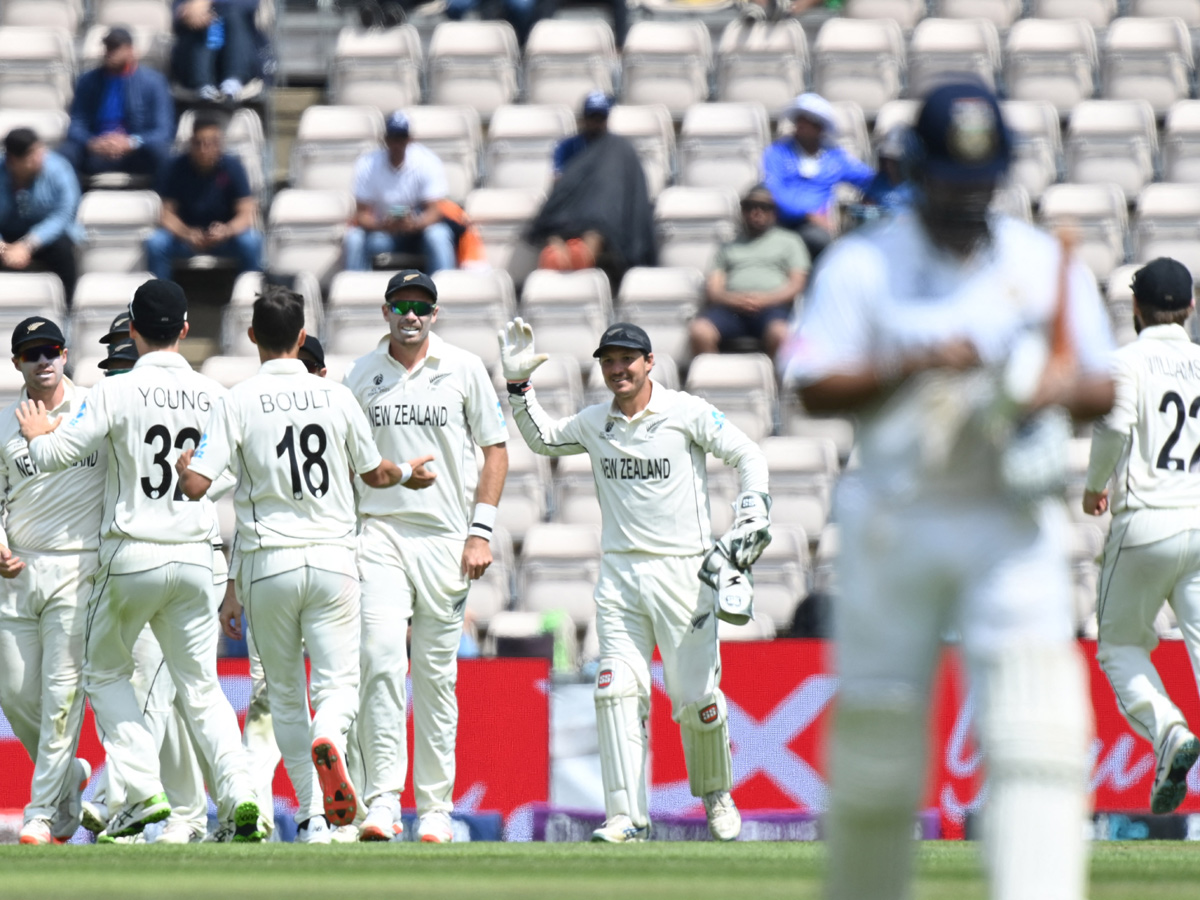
[49, 511]
[1149, 444]
[885, 291]
[650, 472]
[444, 407]
[147, 417]
[292, 438]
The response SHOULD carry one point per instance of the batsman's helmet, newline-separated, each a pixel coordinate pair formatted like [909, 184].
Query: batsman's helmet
[960, 135]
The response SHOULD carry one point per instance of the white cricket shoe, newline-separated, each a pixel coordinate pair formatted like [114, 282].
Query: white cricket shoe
[95, 816]
[222, 835]
[68, 815]
[380, 824]
[620, 830]
[179, 832]
[1179, 752]
[724, 820]
[36, 831]
[344, 834]
[314, 831]
[435, 828]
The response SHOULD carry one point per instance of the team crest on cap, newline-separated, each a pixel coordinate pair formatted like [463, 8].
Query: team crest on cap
[34, 326]
[973, 134]
[411, 277]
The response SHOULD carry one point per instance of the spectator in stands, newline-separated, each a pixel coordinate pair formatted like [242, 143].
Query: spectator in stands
[207, 205]
[598, 212]
[890, 189]
[753, 281]
[397, 191]
[122, 116]
[216, 51]
[803, 170]
[520, 14]
[39, 195]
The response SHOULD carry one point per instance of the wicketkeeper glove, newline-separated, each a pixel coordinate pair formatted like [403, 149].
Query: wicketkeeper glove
[751, 531]
[517, 358]
[733, 589]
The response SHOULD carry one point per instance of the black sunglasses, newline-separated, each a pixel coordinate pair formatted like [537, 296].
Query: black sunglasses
[416, 307]
[49, 352]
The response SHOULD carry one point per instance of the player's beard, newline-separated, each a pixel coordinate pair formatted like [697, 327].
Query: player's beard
[956, 217]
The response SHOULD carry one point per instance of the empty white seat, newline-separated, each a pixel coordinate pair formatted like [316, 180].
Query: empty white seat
[473, 64]
[559, 385]
[64, 14]
[894, 114]
[906, 13]
[692, 222]
[667, 63]
[1112, 141]
[1001, 13]
[48, 124]
[116, 225]
[575, 500]
[802, 474]
[1037, 144]
[329, 139]
[149, 14]
[741, 385]
[354, 313]
[1148, 59]
[568, 310]
[1097, 13]
[236, 318]
[652, 132]
[948, 48]
[781, 577]
[99, 298]
[305, 231]
[379, 67]
[1168, 224]
[558, 570]
[1097, 214]
[454, 133]
[1118, 298]
[37, 68]
[761, 61]
[859, 60]
[662, 300]
[24, 294]
[1187, 10]
[565, 59]
[1051, 60]
[229, 371]
[798, 423]
[1181, 142]
[475, 305]
[521, 141]
[525, 501]
[721, 145]
[502, 216]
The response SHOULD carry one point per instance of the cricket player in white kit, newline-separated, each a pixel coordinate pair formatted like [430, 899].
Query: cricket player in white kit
[48, 551]
[156, 561]
[933, 328]
[293, 437]
[1148, 449]
[648, 449]
[418, 552]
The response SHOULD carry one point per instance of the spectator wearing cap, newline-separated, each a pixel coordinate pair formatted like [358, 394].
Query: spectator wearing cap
[397, 190]
[598, 212]
[753, 282]
[802, 172]
[216, 47]
[122, 115]
[207, 206]
[122, 354]
[39, 196]
[520, 14]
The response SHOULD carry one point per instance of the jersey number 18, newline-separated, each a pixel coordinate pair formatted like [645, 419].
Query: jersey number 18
[312, 448]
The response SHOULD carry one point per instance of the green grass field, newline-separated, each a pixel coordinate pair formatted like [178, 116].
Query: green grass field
[948, 871]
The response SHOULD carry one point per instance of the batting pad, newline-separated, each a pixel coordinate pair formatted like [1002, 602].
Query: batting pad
[1035, 724]
[621, 726]
[702, 725]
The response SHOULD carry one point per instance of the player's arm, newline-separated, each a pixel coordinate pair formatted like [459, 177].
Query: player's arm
[368, 463]
[53, 448]
[199, 468]
[413, 474]
[10, 565]
[868, 383]
[545, 436]
[477, 551]
[1110, 437]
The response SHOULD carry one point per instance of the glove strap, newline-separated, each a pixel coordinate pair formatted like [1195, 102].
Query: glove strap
[518, 388]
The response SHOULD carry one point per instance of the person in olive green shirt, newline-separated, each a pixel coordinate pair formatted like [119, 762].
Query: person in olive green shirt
[753, 281]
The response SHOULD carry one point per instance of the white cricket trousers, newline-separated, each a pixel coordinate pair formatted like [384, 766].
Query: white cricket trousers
[258, 731]
[420, 578]
[296, 598]
[1134, 582]
[41, 660]
[176, 600]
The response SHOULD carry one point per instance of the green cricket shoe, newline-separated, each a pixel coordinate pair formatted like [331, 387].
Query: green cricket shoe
[247, 823]
[132, 819]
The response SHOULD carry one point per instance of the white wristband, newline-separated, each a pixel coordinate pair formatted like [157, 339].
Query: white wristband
[483, 522]
[405, 472]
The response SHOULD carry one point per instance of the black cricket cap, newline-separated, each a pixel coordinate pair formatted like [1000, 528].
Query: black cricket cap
[118, 330]
[961, 134]
[313, 348]
[159, 308]
[118, 36]
[623, 334]
[39, 329]
[411, 278]
[119, 352]
[1164, 284]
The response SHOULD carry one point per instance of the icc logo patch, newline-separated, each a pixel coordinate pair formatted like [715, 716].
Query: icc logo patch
[604, 679]
[708, 715]
[378, 379]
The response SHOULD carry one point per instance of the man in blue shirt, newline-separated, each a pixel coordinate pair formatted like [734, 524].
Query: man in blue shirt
[207, 206]
[38, 199]
[122, 117]
[802, 172]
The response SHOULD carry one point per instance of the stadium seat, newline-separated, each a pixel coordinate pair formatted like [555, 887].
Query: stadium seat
[379, 67]
[798, 423]
[781, 577]
[721, 145]
[802, 473]
[492, 592]
[228, 371]
[825, 561]
[236, 317]
[1037, 144]
[84, 371]
[244, 137]
[24, 294]
[558, 570]
[863, 61]
[943, 48]
[692, 222]
[64, 14]
[892, 114]
[49, 124]
[354, 312]
[741, 385]
[116, 225]
[521, 142]
[1001, 13]
[565, 59]
[454, 133]
[1148, 59]
[473, 64]
[575, 500]
[475, 306]
[906, 13]
[12, 383]
[1013, 200]
[1181, 143]
[568, 310]
[1167, 223]
[1049, 60]
[558, 382]
[152, 15]
[761, 62]
[1097, 13]
[1118, 298]
[662, 301]
[502, 217]
[667, 63]
[652, 132]
[305, 230]
[329, 140]
[152, 47]
[527, 490]
[1188, 10]
[1097, 214]
[99, 298]
[1112, 141]
[37, 68]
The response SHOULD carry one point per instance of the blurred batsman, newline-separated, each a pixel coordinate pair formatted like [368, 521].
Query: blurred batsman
[963, 341]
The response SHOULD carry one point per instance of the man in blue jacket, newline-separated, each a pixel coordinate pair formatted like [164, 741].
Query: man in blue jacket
[122, 117]
[38, 199]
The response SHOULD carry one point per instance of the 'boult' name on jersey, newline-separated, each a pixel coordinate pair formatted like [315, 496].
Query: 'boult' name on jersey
[28, 468]
[624, 468]
[383, 414]
[175, 398]
[287, 401]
